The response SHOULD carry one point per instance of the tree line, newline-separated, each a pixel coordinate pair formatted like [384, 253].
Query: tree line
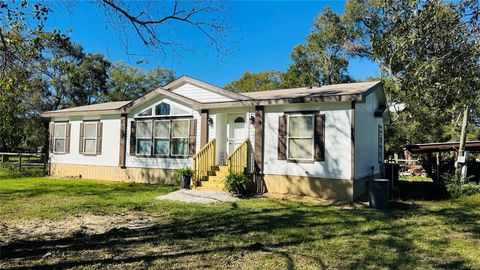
[428, 53]
[42, 70]
[429, 58]
[51, 72]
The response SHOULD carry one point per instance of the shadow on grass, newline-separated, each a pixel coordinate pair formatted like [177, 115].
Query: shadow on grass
[421, 190]
[323, 236]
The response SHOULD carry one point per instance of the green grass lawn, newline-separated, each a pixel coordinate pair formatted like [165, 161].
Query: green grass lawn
[257, 233]
[416, 179]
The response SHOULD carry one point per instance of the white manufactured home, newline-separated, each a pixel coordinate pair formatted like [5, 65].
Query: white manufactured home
[322, 141]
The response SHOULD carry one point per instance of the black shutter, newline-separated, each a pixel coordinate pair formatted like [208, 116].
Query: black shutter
[282, 137]
[319, 138]
[99, 137]
[192, 138]
[133, 139]
[80, 142]
[52, 134]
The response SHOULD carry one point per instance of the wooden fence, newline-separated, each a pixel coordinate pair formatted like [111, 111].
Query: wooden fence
[24, 161]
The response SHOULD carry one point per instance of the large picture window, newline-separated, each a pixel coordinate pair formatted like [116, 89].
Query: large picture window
[60, 137]
[163, 137]
[300, 137]
[90, 138]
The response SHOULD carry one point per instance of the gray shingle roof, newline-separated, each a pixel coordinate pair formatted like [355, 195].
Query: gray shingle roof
[113, 107]
[343, 89]
[328, 93]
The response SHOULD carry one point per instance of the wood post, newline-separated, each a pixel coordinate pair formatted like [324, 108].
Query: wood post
[203, 128]
[463, 138]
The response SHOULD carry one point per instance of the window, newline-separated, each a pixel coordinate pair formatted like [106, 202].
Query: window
[162, 109]
[60, 137]
[161, 137]
[239, 120]
[180, 129]
[146, 113]
[164, 137]
[300, 137]
[90, 138]
[180, 111]
[144, 138]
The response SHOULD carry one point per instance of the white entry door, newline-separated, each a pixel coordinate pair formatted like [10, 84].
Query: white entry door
[236, 130]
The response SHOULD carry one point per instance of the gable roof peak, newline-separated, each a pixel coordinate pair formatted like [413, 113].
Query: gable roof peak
[207, 86]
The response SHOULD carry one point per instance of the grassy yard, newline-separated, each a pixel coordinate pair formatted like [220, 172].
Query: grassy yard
[416, 179]
[259, 233]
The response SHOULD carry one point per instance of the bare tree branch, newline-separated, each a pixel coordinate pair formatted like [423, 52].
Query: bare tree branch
[147, 24]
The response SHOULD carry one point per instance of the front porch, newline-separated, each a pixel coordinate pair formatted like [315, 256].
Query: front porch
[209, 174]
[228, 150]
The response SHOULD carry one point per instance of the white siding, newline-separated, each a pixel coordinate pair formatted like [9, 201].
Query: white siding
[337, 163]
[366, 137]
[199, 94]
[160, 163]
[110, 143]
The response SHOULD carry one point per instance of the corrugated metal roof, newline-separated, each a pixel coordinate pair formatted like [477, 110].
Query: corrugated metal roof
[473, 146]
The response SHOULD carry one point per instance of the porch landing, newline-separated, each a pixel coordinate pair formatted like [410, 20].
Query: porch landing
[197, 196]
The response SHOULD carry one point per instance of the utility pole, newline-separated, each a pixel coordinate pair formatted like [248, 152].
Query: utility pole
[462, 159]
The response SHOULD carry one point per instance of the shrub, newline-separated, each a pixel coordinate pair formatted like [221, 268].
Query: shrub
[183, 172]
[458, 188]
[238, 183]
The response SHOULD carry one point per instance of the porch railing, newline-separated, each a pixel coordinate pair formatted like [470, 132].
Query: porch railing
[203, 161]
[237, 161]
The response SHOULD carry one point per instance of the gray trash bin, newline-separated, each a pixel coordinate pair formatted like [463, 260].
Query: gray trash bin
[379, 193]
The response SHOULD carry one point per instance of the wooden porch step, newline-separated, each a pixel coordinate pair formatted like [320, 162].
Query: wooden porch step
[216, 179]
[221, 168]
[207, 185]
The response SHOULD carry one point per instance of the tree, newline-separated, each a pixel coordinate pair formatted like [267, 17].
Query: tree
[150, 21]
[261, 81]
[322, 60]
[128, 83]
[50, 73]
[70, 77]
[429, 50]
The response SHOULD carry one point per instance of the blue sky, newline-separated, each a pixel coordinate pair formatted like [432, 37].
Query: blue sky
[261, 37]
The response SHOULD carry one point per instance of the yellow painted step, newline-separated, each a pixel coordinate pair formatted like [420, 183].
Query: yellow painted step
[216, 178]
[223, 169]
[221, 173]
[208, 184]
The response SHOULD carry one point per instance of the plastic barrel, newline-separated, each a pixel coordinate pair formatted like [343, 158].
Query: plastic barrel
[379, 193]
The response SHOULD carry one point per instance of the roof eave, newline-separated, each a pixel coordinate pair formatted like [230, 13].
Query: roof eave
[51, 114]
[279, 101]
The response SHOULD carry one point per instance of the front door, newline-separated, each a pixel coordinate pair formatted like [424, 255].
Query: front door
[236, 130]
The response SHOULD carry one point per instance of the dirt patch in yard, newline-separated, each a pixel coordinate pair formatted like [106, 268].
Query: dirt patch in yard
[71, 242]
[78, 225]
